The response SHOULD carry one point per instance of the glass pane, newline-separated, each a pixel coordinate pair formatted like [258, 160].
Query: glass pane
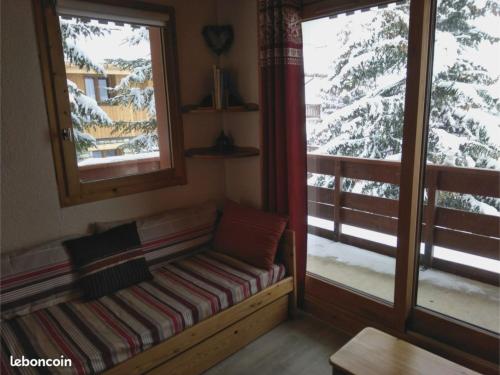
[89, 88]
[460, 240]
[103, 89]
[355, 81]
[118, 128]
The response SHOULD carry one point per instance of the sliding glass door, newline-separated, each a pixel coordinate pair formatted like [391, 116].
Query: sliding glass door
[460, 242]
[403, 138]
[355, 80]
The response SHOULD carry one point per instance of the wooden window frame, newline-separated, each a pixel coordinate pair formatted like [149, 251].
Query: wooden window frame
[351, 310]
[325, 8]
[72, 190]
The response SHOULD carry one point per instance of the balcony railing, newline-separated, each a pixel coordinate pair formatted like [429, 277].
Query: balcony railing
[313, 111]
[462, 231]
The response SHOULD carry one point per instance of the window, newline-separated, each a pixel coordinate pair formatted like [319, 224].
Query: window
[90, 88]
[102, 84]
[430, 247]
[97, 89]
[113, 100]
[355, 80]
[461, 221]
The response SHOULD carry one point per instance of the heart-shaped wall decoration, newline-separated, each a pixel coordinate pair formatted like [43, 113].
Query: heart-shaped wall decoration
[218, 38]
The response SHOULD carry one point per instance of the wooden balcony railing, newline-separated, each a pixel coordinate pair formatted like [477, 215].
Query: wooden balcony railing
[462, 231]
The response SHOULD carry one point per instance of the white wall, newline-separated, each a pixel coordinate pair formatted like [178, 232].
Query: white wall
[30, 210]
[243, 176]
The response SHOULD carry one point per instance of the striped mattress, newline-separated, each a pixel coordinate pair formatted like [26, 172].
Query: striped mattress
[100, 334]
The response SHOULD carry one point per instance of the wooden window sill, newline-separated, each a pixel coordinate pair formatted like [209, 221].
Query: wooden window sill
[103, 171]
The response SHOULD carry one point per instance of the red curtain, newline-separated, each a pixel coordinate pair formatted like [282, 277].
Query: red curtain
[283, 118]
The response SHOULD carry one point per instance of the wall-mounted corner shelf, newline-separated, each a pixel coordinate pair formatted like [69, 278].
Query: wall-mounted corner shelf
[211, 153]
[193, 108]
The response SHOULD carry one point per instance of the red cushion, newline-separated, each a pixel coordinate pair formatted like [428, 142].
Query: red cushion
[249, 234]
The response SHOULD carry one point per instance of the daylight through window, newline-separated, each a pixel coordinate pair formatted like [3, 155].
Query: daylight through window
[355, 81]
[112, 90]
[111, 79]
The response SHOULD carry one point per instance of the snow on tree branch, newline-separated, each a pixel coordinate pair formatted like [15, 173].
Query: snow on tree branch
[71, 32]
[362, 100]
[86, 111]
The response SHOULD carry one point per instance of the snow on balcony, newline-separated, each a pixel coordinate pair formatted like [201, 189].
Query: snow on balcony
[371, 273]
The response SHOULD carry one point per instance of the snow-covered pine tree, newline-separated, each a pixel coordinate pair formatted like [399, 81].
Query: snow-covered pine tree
[85, 112]
[132, 91]
[364, 104]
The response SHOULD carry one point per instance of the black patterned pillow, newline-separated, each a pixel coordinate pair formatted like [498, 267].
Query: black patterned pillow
[108, 261]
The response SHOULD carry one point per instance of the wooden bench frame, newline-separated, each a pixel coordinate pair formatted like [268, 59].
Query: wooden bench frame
[205, 344]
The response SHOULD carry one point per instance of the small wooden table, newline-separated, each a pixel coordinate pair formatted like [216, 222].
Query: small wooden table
[374, 352]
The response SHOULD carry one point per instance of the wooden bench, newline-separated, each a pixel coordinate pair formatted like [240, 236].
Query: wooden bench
[374, 352]
[210, 341]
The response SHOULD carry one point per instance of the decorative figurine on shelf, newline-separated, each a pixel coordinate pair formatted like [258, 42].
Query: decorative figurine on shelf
[218, 38]
[224, 144]
[207, 102]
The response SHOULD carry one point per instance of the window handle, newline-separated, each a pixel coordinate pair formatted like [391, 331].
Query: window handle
[67, 134]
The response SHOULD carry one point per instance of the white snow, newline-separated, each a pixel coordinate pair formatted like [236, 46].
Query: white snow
[356, 257]
[139, 74]
[91, 107]
[490, 122]
[468, 90]
[484, 208]
[313, 88]
[78, 53]
[116, 159]
[322, 37]
[320, 223]
[352, 63]
[123, 42]
[446, 52]
[382, 238]
[145, 142]
[326, 39]
[111, 45]
[449, 145]
[87, 105]
[394, 157]
[386, 239]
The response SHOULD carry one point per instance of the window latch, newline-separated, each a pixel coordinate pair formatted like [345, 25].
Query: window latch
[67, 134]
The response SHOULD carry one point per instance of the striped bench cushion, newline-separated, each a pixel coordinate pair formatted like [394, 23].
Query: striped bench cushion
[172, 234]
[99, 334]
[36, 278]
[40, 277]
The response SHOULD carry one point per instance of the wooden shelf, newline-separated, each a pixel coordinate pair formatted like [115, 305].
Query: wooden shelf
[211, 153]
[247, 107]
